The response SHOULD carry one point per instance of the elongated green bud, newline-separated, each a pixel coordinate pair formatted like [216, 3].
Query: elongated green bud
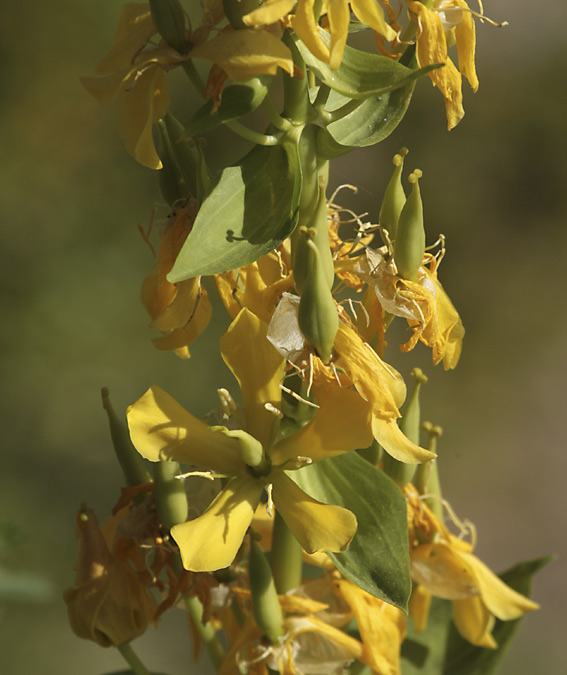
[169, 19]
[317, 314]
[265, 604]
[134, 466]
[410, 423]
[394, 198]
[427, 475]
[410, 239]
[251, 449]
[171, 181]
[189, 157]
[319, 235]
[236, 9]
[170, 496]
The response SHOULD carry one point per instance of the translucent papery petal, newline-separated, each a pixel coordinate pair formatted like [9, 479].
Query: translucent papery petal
[397, 444]
[135, 28]
[451, 330]
[370, 13]
[474, 622]
[338, 13]
[378, 383]
[504, 602]
[381, 626]
[138, 108]
[106, 89]
[211, 541]
[316, 526]
[161, 429]
[343, 423]
[307, 30]
[443, 571]
[258, 367]
[269, 12]
[246, 53]
[465, 33]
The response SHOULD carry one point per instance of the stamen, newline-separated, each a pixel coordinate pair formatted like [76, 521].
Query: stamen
[270, 504]
[209, 475]
[275, 411]
[296, 396]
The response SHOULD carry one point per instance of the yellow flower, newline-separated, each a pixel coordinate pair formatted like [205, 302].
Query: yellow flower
[108, 602]
[445, 566]
[162, 430]
[438, 27]
[181, 311]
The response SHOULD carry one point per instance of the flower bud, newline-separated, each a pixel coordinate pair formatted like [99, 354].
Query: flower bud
[265, 604]
[171, 181]
[134, 466]
[394, 198]
[410, 238]
[170, 495]
[169, 19]
[317, 313]
[251, 449]
[108, 603]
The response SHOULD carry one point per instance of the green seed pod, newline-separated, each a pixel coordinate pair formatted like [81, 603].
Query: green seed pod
[410, 239]
[394, 198]
[134, 466]
[317, 314]
[170, 496]
[189, 157]
[169, 19]
[265, 604]
[171, 181]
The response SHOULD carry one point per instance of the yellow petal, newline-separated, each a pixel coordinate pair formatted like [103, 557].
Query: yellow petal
[307, 30]
[161, 429]
[269, 12]
[246, 53]
[474, 622]
[370, 13]
[504, 602]
[419, 605]
[465, 33]
[211, 541]
[343, 423]
[339, 21]
[443, 571]
[138, 108]
[316, 526]
[389, 435]
[258, 367]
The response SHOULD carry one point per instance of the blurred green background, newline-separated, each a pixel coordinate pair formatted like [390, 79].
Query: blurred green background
[72, 261]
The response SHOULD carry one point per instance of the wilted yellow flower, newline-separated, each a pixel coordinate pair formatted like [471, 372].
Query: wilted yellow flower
[182, 310]
[444, 566]
[447, 21]
[162, 430]
[108, 603]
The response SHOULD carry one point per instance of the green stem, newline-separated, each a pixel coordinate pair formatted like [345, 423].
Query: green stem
[196, 80]
[275, 118]
[286, 559]
[132, 659]
[206, 631]
[251, 135]
[297, 106]
[343, 111]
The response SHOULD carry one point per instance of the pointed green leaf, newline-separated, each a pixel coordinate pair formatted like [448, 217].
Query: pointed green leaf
[249, 210]
[238, 100]
[377, 559]
[361, 74]
[373, 120]
[440, 650]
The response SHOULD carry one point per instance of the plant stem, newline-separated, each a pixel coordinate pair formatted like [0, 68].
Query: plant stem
[132, 659]
[206, 631]
[251, 135]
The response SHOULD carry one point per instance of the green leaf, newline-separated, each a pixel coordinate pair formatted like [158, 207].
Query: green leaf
[249, 210]
[378, 557]
[440, 650]
[237, 100]
[361, 74]
[370, 123]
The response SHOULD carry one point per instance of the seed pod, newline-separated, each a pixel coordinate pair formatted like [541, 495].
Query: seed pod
[170, 496]
[169, 19]
[317, 314]
[265, 604]
[394, 198]
[410, 239]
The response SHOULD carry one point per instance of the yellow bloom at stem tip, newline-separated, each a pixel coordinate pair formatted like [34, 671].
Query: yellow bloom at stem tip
[162, 430]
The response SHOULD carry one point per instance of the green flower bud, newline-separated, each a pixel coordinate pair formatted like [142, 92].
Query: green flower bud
[171, 181]
[189, 156]
[394, 198]
[427, 475]
[317, 314]
[169, 19]
[265, 604]
[170, 496]
[410, 238]
[134, 466]
[251, 449]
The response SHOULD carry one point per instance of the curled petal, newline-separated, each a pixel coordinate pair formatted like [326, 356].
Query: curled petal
[397, 444]
[161, 429]
[316, 526]
[269, 12]
[307, 30]
[474, 622]
[211, 541]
